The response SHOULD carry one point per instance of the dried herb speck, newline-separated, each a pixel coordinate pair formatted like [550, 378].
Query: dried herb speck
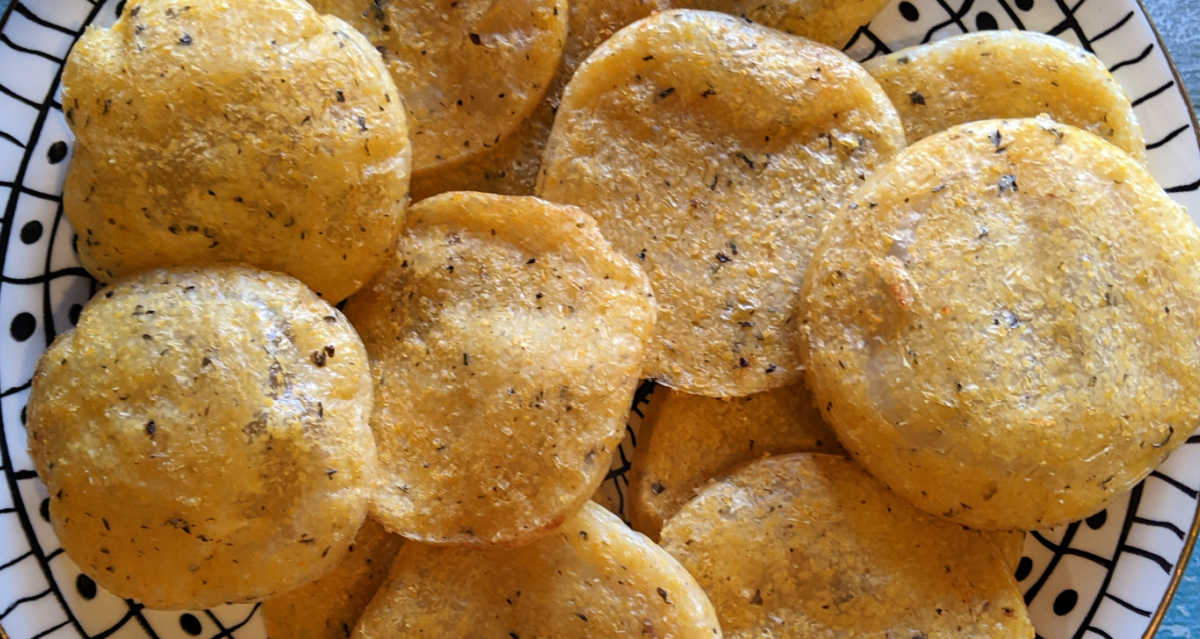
[1008, 183]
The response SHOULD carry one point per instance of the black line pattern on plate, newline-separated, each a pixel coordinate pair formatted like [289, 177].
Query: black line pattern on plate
[5, 235]
[1132, 61]
[1109, 31]
[1175, 483]
[1060, 549]
[1165, 525]
[1135, 499]
[615, 486]
[1150, 146]
[1152, 94]
[1128, 606]
[23, 11]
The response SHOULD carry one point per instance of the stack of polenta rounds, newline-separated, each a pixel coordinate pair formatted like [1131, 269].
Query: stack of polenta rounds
[896, 315]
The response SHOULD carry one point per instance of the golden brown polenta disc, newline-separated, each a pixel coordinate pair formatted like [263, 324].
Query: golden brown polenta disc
[203, 434]
[214, 131]
[593, 577]
[811, 546]
[1006, 74]
[712, 151]
[687, 440]
[505, 338]
[329, 607]
[831, 22]
[1003, 324]
[511, 165]
[470, 71]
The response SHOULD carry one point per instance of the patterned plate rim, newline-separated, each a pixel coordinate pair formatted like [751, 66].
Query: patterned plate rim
[1194, 533]
[1190, 543]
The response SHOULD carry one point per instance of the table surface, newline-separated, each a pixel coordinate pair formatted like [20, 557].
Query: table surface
[1179, 22]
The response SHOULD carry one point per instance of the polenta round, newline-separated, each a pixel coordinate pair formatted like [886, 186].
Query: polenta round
[592, 578]
[203, 434]
[1006, 74]
[687, 440]
[712, 152]
[470, 71]
[810, 546]
[1004, 324]
[217, 131]
[506, 338]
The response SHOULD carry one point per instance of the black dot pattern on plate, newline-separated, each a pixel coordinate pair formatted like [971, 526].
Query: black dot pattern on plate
[24, 414]
[1065, 602]
[57, 152]
[1024, 568]
[190, 624]
[85, 586]
[120, 8]
[1096, 522]
[986, 22]
[22, 326]
[73, 313]
[1024, 5]
[31, 232]
[44, 509]
[909, 11]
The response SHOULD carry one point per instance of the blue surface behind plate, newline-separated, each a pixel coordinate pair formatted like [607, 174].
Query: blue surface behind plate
[1179, 22]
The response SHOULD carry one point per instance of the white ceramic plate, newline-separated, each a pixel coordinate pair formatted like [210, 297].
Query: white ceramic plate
[1110, 576]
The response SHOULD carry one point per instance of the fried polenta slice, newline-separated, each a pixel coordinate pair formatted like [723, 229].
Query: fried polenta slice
[686, 440]
[1004, 325]
[257, 132]
[506, 338]
[810, 546]
[1012, 547]
[470, 71]
[712, 152]
[831, 22]
[329, 607]
[203, 434]
[511, 165]
[594, 577]
[1006, 74]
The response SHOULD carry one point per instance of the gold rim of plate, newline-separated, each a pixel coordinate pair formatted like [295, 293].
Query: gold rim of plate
[1189, 543]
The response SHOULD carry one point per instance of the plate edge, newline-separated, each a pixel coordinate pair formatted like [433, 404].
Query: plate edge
[1190, 543]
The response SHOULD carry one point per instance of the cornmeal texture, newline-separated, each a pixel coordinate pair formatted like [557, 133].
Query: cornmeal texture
[810, 546]
[219, 131]
[203, 435]
[506, 338]
[1006, 74]
[1002, 325]
[470, 71]
[687, 440]
[712, 152]
[329, 607]
[593, 577]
